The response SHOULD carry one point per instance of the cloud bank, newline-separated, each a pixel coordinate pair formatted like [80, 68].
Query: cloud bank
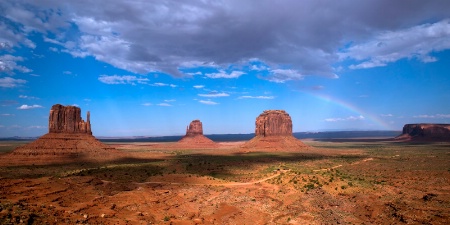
[293, 39]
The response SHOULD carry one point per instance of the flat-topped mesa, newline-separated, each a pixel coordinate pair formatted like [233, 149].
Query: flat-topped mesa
[194, 128]
[273, 132]
[273, 123]
[426, 131]
[67, 119]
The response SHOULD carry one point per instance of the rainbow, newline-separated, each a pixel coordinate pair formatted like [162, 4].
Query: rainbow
[333, 100]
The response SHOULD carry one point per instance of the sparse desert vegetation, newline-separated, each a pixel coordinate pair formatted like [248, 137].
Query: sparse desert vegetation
[374, 182]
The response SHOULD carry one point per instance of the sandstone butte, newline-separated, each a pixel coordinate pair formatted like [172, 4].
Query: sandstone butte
[425, 132]
[194, 137]
[69, 139]
[273, 131]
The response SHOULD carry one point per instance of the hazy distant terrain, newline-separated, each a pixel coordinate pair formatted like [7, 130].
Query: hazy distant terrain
[246, 137]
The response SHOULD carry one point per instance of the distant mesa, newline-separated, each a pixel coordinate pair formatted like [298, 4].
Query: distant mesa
[273, 131]
[194, 137]
[69, 139]
[425, 132]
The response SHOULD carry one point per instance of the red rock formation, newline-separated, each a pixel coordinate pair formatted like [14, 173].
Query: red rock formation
[67, 119]
[273, 123]
[69, 140]
[425, 132]
[274, 132]
[194, 137]
[194, 128]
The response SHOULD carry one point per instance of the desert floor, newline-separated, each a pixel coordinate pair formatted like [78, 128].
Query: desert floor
[333, 182]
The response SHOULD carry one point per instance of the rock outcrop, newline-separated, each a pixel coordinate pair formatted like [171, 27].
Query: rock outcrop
[194, 128]
[273, 123]
[273, 131]
[69, 140]
[194, 137]
[67, 119]
[425, 132]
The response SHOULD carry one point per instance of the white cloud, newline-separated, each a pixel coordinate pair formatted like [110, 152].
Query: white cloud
[37, 127]
[53, 49]
[67, 72]
[27, 97]
[208, 102]
[127, 79]
[158, 84]
[8, 64]
[214, 95]
[283, 75]
[386, 115]
[116, 51]
[147, 104]
[257, 97]
[170, 100]
[6, 114]
[29, 106]
[164, 104]
[259, 67]
[8, 82]
[390, 46]
[164, 36]
[435, 116]
[194, 74]
[199, 86]
[224, 74]
[350, 118]
[196, 64]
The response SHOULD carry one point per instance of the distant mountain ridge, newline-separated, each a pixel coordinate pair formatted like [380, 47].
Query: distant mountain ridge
[242, 137]
[246, 137]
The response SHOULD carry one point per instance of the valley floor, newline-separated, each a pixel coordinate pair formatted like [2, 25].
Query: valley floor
[354, 182]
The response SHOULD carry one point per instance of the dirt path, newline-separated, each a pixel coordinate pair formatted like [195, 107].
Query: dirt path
[334, 167]
[214, 184]
[245, 183]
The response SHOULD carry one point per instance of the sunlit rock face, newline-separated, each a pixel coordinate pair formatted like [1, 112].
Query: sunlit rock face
[426, 131]
[67, 119]
[194, 128]
[69, 139]
[273, 123]
[273, 132]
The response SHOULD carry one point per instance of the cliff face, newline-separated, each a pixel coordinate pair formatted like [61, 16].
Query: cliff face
[67, 119]
[69, 140]
[273, 132]
[273, 123]
[426, 131]
[194, 128]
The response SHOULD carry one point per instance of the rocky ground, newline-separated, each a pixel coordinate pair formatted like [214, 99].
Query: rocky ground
[327, 183]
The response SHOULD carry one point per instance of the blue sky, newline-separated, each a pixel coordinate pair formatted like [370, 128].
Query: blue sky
[148, 68]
